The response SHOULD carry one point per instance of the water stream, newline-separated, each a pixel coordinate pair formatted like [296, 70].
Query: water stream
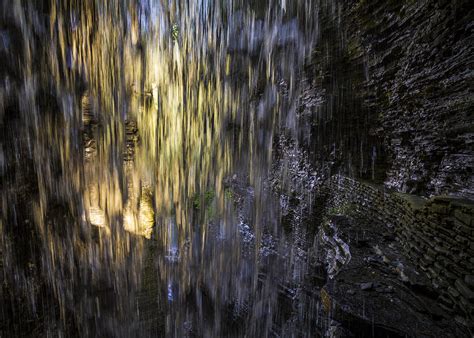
[147, 129]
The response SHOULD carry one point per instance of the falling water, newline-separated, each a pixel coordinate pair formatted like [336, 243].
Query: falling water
[145, 124]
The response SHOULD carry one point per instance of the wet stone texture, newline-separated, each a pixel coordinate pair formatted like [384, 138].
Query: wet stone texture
[392, 101]
[431, 240]
[391, 107]
[421, 54]
[379, 292]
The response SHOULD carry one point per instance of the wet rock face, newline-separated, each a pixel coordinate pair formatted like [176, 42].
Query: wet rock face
[420, 55]
[396, 96]
[388, 98]
[436, 236]
[379, 293]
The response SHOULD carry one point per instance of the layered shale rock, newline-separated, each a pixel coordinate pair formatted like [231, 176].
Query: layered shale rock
[395, 86]
[435, 235]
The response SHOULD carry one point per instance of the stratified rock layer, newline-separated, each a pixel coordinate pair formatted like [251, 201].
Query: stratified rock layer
[436, 235]
[394, 82]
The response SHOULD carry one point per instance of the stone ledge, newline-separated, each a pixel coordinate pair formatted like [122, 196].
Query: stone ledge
[436, 233]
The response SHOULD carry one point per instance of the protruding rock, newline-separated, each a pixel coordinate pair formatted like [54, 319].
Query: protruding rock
[464, 289]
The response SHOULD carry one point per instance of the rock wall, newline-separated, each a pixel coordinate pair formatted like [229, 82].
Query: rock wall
[392, 86]
[436, 234]
[419, 57]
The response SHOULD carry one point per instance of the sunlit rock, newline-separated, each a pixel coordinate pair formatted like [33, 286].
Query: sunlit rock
[146, 215]
[97, 217]
[140, 223]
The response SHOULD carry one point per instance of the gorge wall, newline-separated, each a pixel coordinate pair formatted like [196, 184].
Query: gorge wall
[394, 83]
[385, 133]
[436, 234]
[389, 101]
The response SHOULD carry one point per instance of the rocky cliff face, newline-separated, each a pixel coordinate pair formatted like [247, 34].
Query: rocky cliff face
[435, 235]
[420, 61]
[395, 80]
[388, 99]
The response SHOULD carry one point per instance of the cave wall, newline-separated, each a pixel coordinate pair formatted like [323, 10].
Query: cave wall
[395, 79]
[436, 234]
